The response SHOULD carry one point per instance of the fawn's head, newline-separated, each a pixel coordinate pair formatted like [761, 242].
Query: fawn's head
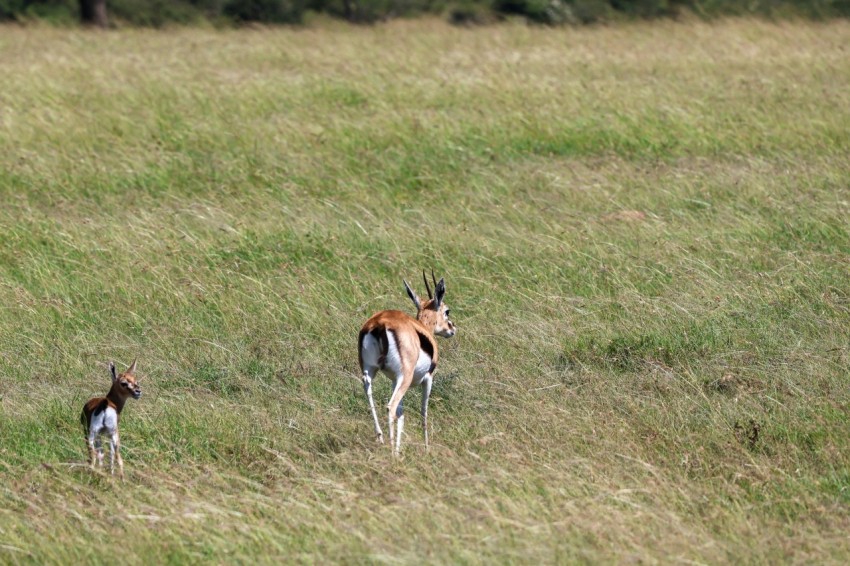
[433, 313]
[126, 383]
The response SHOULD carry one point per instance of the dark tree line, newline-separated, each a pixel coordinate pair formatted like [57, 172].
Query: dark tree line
[93, 12]
[155, 13]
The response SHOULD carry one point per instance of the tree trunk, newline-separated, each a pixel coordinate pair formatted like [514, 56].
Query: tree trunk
[93, 12]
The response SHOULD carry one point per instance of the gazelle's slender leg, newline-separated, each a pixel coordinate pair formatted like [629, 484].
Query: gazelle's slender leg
[98, 446]
[367, 386]
[92, 450]
[396, 411]
[391, 406]
[400, 425]
[115, 452]
[426, 393]
[112, 447]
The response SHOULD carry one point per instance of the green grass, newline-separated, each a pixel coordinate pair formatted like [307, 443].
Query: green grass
[644, 232]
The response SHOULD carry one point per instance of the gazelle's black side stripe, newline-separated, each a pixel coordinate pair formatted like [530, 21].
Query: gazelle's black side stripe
[425, 344]
[428, 347]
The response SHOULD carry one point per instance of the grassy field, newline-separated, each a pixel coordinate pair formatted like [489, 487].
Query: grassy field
[645, 237]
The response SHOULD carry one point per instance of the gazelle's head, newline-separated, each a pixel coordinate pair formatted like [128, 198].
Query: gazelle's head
[433, 313]
[126, 383]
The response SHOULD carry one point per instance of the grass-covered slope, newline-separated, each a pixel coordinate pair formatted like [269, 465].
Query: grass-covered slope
[644, 232]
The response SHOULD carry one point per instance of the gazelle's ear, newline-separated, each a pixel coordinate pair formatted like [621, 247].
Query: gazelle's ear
[439, 292]
[112, 371]
[412, 296]
[132, 369]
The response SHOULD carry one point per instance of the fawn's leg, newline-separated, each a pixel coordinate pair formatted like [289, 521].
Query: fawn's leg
[115, 452]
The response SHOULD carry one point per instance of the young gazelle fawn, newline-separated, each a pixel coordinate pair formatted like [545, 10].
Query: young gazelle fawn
[404, 348]
[100, 417]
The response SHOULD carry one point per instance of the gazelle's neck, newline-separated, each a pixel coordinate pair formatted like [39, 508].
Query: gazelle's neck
[427, 317]
[117, 398]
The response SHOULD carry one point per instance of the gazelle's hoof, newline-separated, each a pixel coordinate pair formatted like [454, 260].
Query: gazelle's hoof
[380, 438]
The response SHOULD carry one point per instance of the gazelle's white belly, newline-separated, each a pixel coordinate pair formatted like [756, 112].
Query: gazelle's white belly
[423, 367]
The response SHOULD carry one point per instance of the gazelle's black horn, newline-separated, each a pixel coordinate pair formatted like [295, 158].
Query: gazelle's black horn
[427, 288]
[434, 279]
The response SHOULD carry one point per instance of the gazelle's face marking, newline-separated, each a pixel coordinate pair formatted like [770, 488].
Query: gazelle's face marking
[447, 329]
[443, 326]
[128, 384]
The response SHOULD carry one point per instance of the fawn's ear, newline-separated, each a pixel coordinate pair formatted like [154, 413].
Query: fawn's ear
[132, 369]
[112, 371]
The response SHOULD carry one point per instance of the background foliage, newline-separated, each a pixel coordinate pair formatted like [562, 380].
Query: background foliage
[161, 12]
